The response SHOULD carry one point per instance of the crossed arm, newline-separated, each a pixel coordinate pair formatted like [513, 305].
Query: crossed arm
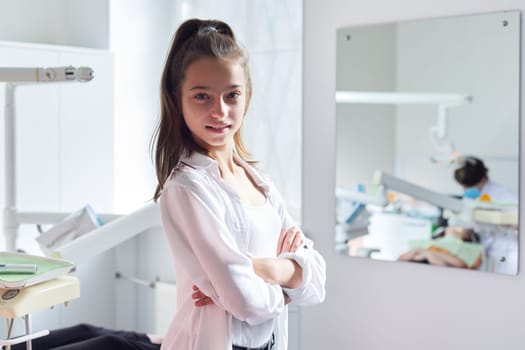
[284, 272]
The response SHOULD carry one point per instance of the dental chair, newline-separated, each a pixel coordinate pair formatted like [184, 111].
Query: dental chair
[21, 294]
[21, 302]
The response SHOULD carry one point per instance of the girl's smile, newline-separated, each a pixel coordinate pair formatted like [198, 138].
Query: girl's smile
[219, 129]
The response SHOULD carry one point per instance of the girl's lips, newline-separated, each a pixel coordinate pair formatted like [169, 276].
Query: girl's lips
[217, 128]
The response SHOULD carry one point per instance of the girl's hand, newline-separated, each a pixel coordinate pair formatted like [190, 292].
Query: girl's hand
[200, 298]
[289, 241]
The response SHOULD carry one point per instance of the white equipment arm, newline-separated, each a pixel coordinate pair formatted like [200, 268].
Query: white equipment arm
[399, 185]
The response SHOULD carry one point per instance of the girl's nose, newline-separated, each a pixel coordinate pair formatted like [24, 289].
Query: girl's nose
[219, 109]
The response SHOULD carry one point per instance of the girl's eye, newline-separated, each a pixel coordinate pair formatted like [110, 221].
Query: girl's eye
[234, 94]
[201, 96]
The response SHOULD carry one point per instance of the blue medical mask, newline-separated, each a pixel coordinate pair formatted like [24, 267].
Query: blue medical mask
[472, 193]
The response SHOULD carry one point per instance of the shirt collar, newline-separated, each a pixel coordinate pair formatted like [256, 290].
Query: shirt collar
[198, 160]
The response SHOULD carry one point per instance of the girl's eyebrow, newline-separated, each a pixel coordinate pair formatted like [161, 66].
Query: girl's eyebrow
[202, 87]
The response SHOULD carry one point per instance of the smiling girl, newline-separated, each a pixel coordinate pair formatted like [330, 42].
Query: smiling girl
[239, 257]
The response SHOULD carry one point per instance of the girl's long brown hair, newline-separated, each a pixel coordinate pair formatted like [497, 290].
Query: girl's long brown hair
[193, 40]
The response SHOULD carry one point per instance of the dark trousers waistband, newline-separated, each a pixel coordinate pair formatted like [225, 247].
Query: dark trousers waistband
[267, 346]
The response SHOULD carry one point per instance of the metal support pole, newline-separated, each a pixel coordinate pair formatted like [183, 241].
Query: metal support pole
[27, 320]
[10, 222]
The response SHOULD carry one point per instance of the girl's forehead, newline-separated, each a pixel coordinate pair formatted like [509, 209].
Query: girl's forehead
[214, 63]
[215, 71]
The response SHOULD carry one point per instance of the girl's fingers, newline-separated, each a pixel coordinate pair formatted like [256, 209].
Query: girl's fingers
[287, 241]
[198, 295]
[280, 242]
[290, 241]
[298, 243]
[203, 302]
[294, 241]
[200, 298]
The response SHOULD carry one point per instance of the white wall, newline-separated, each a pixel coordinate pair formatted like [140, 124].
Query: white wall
[383, 305]
[138, 67]
[63, 22]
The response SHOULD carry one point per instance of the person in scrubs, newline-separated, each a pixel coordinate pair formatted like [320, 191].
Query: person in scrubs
[500, 243]
[472, 175]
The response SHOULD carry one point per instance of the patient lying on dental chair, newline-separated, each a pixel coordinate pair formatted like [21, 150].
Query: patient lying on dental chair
[85, 336]
[454, 247]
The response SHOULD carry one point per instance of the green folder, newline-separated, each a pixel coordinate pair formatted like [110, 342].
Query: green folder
[47, 269]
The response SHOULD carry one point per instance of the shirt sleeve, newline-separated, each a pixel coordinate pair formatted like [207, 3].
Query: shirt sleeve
[312, 290]
[196, 229]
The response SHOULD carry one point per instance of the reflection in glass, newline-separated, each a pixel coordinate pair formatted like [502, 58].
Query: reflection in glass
[417, 103]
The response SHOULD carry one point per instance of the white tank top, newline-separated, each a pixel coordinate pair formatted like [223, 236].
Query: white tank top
[263, 233]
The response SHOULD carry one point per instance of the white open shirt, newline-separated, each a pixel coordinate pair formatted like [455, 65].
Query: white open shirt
[206, 224]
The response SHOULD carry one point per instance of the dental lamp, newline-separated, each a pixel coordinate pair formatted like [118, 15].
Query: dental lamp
[14, 77]
[45, 75]
[444, 101]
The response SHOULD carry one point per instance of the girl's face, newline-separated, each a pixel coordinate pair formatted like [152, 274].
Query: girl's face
[213, 101]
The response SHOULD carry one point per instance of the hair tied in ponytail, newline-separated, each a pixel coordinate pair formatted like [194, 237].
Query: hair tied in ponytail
[209, 29]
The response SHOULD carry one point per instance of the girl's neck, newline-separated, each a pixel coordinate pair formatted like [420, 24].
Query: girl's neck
[224, 159]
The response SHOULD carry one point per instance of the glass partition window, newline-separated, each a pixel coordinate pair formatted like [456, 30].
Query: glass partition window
[427, 141]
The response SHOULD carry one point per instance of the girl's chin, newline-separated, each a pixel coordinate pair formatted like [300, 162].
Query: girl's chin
[216, 142]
